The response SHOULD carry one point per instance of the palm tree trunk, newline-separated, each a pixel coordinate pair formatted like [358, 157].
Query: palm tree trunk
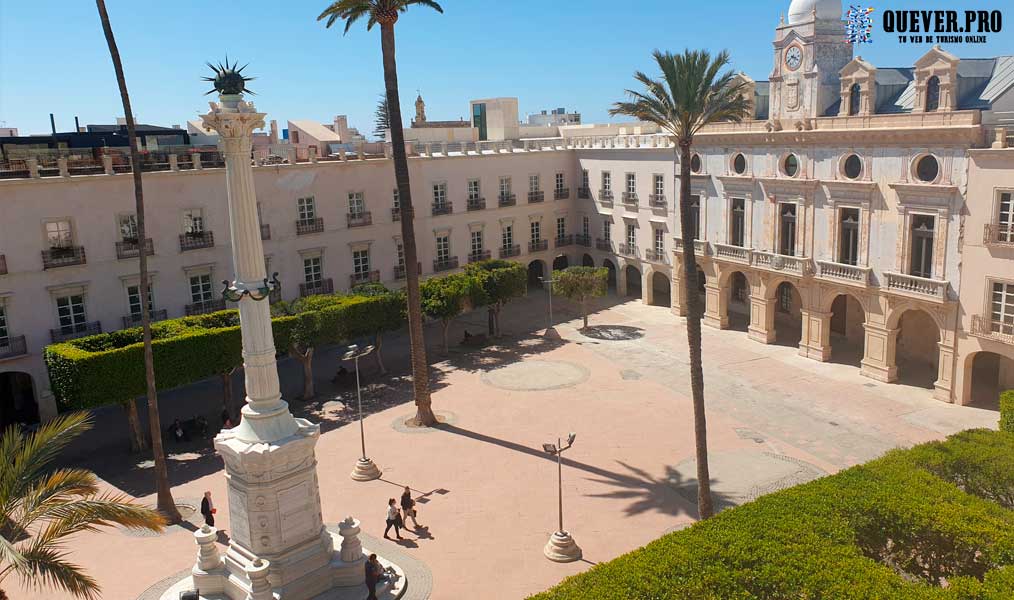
[305, 358]
[446, 323]
[138, 442]
[166, 504]
[420, 375]
[376, 354]
[584, 313]
[694, 315]
[228, 403]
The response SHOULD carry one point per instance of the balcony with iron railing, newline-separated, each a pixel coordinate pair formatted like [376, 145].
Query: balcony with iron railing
[442, 208]
[583, 193]
[701, 247]
[603, 244]
[538, 245]
[359, 219]
[445, 264]
[536, 196]
[916, 287]
[736, 254]
[3, 264]
[196, 240]
[364, 277]
[395, 213]
[479, 255]
[476, 204]
[12, 346]
[308, 226]
[507, 200]
[986, 328]
[656, 256]
[313, 288]
[628, 250]
[564, 240]
[134, 320]
[583, 240]
[130, 248]
[843, 273]
[561, 193]
[657, 201]
[265, 231]
[399, 271]
[630, 198]
[77, 330]
[606, 196]
[203, 307]
[998, 234]
[64, 256]
[770, 261]
[510, 251]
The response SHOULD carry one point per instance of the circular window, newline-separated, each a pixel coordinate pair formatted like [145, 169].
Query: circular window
[791, 165]
[927, 169]
[695, 163]
[739, 164]
[853, 166]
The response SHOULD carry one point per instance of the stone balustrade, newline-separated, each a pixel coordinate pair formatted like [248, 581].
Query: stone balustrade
[916, 287]
[733, 253]
[796, 265]
[701, 247]
[844, 273]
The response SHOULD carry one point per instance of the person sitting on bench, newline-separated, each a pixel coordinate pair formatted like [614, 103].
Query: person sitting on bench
[341, 376]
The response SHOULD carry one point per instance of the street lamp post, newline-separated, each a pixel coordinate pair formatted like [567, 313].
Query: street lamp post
[561, 546]
[549, 280]
[365, 469]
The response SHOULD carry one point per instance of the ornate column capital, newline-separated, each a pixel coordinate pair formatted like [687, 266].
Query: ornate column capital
[235, 120]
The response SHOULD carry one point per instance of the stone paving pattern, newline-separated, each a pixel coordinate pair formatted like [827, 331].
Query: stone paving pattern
[486, 489]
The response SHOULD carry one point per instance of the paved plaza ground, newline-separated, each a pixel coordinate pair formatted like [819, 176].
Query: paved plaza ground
[488, 491]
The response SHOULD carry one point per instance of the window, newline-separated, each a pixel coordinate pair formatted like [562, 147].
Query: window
[536, 230]
[4, 334]
[927, 168]
[854, 97]
[695, 163]
[659, 241]
[312, 269]
[439, 194]
[607, 181]
[737, 226]
[787, 226]
[306, 208]
[932, 94]
[474, 192]
[477, 245]
[585, 180]
[507, 236]
[607, 230]
[922, 246]
[631, 235]
[561, 182]
[134, 300]
[361, 261]
[357, 204]
[70, 311]
[479, 120]
[443, 248]
[659, 186]
[739, 164]
[585, 226]
[533, 183]
[784, 298]
[561, 227]
[127, 224]
[193, 221]
[399, 248]
[631, 183]
[200, 288]
[1005, 219]
[848, 236]
[695, 216]
[505, 186]
[853, 166]
[396, 198]
[59, 234]
[790, 165]
[1001, 308]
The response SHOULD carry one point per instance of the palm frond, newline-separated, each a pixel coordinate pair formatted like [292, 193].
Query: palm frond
[49, 567]
[25, 458]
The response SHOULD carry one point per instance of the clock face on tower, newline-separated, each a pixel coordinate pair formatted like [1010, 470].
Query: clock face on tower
[793, 57]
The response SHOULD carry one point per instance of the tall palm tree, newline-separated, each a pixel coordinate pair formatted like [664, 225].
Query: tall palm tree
[41, 508]
[386, 13]
[164, 492]
[692, 93]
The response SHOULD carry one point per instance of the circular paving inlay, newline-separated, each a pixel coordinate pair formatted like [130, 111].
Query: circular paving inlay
[536, 375]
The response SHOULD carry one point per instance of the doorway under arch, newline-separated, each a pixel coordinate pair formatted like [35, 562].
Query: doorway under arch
[536, 270]
[917, 354]
[611, 276]
[633, 281]
[739, 302]
[587, 261]
[788, 315]
[848, 335]
[17, 399]
[989, 373]
[560, 263]
[661, 290]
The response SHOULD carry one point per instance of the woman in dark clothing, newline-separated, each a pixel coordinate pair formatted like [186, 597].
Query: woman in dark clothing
[373, 571]
[408, 507]
[393, 519]
[208, 510]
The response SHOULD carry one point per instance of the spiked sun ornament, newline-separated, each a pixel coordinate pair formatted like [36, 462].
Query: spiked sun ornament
[228, 80]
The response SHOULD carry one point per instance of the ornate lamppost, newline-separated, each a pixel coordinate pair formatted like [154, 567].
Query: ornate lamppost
[561, 546]
[366, 469]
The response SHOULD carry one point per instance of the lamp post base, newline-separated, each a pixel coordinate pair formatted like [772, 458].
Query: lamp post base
[562, 548]
[366, 470]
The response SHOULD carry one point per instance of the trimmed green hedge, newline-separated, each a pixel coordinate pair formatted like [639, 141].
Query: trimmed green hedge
[895, 528]
[1007, 411]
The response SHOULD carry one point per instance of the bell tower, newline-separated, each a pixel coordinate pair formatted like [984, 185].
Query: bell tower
[809, 51]
[420, 109]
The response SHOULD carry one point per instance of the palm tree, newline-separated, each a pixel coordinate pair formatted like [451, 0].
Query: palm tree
[164, 492]
[385, 13]
[41, 508]
[381, 119]
[692, 93]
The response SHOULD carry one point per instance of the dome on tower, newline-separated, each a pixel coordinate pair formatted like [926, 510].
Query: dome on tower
[800, 10]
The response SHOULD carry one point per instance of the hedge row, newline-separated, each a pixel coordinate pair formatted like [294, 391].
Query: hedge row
[907, 526]
[1007, 411]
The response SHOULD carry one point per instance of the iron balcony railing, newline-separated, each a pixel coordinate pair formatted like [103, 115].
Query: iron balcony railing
[630, 198]
[564, 240]
[998, 234]
[445, 264]
[510, 251]
[507, 200]
[395, 213]
[583, 193]
[657, 201]
[63, 257]
[536, 196]
[476, 204]
[478, 256]
[538, 245]
[442, 208]
[602, 244]
[202, 307]
[606, 195]
[986, 327]
[131, 248]
[12, 346]
[307, 226]
[583, 240]
[196, 240]
[399, 271]
[3, 264]
[364, 277]
[312, 288]
[265, 231]
[134, 320]
[658, 256]
[72, 332]
[628, 250]
[561, 193]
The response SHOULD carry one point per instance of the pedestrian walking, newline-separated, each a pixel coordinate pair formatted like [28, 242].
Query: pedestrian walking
[373, 571]
[393, 519]
[208, 509]
[408, 507]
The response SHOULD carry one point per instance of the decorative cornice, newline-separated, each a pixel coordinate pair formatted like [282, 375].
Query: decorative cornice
[923, 190]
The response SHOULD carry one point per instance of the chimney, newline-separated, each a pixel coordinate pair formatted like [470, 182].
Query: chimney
[52, 123]
[274, 131]
[77, 125]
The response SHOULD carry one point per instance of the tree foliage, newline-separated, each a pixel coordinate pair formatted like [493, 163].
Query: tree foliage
[498, 282]
[581, 284]
[381, 119]
[444, 298]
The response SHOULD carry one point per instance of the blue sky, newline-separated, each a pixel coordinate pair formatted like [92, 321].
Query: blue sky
[577, 54]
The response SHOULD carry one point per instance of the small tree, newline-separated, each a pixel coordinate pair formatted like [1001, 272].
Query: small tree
[499, 282]
[444, 298]
[388, 313]
[581, 284]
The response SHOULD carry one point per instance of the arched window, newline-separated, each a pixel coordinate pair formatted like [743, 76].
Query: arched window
[933, 94]
[854, 96]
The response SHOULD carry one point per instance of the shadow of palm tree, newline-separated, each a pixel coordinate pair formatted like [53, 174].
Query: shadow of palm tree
[671, 494]
[613, 333]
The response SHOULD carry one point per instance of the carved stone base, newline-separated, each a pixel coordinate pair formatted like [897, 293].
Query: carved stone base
[365, 470]
[562, 548]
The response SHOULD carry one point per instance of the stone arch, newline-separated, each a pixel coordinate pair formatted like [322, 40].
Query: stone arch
[17, 399]
[587, 261]
[633, 277]
[561, 262]
[986, 374]
[738, 307]
[536, 269]
[895, 313]
[847, 328]
[611, 277]
[660, 289]
[916, 348]
[788, 307]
